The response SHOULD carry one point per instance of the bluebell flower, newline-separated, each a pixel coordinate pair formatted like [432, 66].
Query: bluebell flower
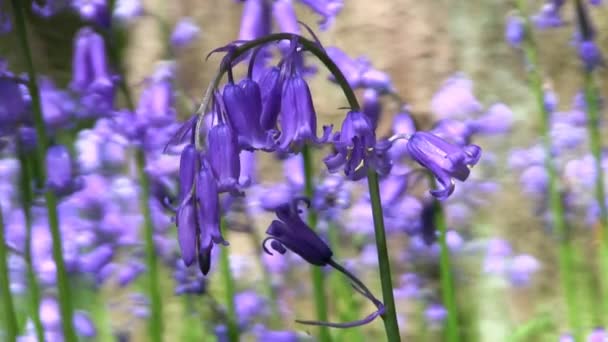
[271, 86]
[248, 306]
[588, 50]
[328, 9]
[403, 125]
[298, 116]
[12, 106]
[57, 108]
[255, 21]
[156, 105]
[521, 269]
[454, 131]
[185, 32]
[84, 325]
[223, 157]
[60, 177]
[243, 104]
[357, 149]
[290, 232]
[372, 106]
[435, 314]
[331, 197]
[455, 99]
[95, 260]
[444, 160]
[285, 16]
[497, 119]
[95, 11]
[359, 73]
[514, 30]
[549, 15]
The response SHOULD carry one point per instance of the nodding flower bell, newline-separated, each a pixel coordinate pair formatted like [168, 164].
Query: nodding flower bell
[357, 149]
[445, 160]
[328, 9]
[243, 104]
[156, 103]
[60, 178]
[224, 157]
[290, 232]
[270, 86]
[255, 22]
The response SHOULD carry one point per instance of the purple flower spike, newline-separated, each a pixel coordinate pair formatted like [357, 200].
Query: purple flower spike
[185, 32]
[298, 116]
[60, 178]
[514, 31]
[328, 9]
[446, 161]
[292, 233]
[255, 22]
[243, 104]
[208, 216]
[357, 148]
[224, 157]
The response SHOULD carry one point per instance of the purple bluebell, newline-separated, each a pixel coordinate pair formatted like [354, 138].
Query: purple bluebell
[590, 54]
[129, 272]
[293, 169]
[263, 334]
[444, 160]
[331, 197]
[357, 149]
[84, 325]
[95, 11]
[498, 252]
[372, 107]
[454, 131]
[223, 157]
[12, 106]
[298, 116]
[95, 260]
[285, 16]
[521, 269]
[248, 173]
[534, 180]
[255, 21]
[185, 32]
[359, 73]
[514, 30]
[290, 232]
[57, 107]
[403, 125]
[156, 105]
[243, 104]
[497, 119]
[328, 9]
[248, 306]
[455, 99]
[435, 314]
[60, 177]
[549, 15]
[186, 213]
[188, 282]
[271, 86]
[588, 50]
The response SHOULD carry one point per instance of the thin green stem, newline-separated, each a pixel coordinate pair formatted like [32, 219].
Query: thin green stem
[10, 319]
[156, 316]
[65, 304]
[230, 288]
[33, 287]
[318, 279]
[595, 142]
[565, 249]
[446, 278]
[390, 316]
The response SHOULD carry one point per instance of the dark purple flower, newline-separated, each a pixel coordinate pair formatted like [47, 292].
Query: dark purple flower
[255, 21]
[243, 104]
[12, 106]
[514, 30]
[446, 161]
[223, 157]
[357, 149]
[184, 33]
[271, 86]
[328, 9]
[298, 117]
[95, 11]
[60, 178]
[290, 232]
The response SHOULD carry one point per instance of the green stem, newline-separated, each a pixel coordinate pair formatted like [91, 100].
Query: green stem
[595, 142]
[390, 316]
[10, 320]
[318, 279]
[65, 304]
[156, 319]
[26, 200]
[446, 278]
[565, 249]
[229, 287]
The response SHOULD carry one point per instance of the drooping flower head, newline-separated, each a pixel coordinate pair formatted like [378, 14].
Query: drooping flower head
[444, 160]
[223, 155]
[185, 32]
[357, 149]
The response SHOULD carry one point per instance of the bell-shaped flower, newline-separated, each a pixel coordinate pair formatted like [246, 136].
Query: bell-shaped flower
[60, 177]
[298, 116]
[357, 149]
[514, 30]
[290, 232]
[372, 106]
[497, 119]
[444, 160]
[285, 16]
[549, 15]
[255, 21]
[208, 216]
[12, 106]
[270, 86]
[243, 103]
[455, 99]
[156, 105]
[223, 157]
[185, 32]
[328, 9]
[403, 125]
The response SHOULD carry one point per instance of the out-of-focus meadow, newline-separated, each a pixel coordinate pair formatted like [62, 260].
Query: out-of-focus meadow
[419, 44]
